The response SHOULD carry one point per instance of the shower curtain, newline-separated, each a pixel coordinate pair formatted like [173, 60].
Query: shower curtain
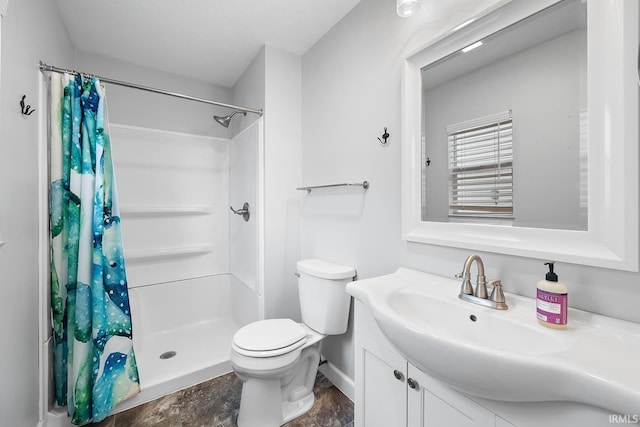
[94, 362]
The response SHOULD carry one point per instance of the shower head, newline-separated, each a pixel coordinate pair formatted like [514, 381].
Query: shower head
[224, 121]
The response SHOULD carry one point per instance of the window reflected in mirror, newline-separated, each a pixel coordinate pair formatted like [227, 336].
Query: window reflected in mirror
[481, 167]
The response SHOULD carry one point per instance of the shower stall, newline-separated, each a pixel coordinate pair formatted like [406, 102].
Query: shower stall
[195, 269]
[192, 264]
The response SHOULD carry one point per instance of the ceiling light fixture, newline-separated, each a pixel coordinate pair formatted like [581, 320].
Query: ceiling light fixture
[407, 8]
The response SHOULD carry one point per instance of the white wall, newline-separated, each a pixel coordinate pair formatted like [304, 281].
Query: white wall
[31, 31]
[351, 90]
[139, 108]
[272, 82]
[282, 176]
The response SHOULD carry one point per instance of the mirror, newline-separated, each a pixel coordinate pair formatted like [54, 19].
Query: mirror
[567, 175]
[533, 172]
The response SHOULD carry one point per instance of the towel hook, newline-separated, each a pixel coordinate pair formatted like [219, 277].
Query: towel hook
[26, 109]
[385, 136]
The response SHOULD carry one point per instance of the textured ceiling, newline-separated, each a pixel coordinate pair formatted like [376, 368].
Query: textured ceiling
[207, 40]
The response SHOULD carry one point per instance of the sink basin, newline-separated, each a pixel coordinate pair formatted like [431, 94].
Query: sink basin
[505, 355]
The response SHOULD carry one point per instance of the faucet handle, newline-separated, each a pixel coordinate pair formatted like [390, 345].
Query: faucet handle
[466, 287]
[496, 294]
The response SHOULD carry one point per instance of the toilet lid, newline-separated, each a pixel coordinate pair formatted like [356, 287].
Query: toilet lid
[270, 334]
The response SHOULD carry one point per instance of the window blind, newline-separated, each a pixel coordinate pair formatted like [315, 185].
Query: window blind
[481, 167]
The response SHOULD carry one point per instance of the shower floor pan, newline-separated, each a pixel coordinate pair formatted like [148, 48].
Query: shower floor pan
[171, 360]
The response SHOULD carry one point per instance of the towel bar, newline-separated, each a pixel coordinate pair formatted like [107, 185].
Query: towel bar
[364, 184]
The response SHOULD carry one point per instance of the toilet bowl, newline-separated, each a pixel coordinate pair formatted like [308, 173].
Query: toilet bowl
[277, 359]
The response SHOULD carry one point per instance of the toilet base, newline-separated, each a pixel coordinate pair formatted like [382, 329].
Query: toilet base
[292, 410]
[260, 403]
[266, 408]
[278, 396]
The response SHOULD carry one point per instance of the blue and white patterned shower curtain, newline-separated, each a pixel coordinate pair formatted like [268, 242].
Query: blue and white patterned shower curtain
[94, 362]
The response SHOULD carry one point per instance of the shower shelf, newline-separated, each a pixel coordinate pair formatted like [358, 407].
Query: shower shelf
[166, 253]
[148, 211]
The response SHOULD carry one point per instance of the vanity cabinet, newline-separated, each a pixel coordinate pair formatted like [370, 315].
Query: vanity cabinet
[392, 392]
[430, 403]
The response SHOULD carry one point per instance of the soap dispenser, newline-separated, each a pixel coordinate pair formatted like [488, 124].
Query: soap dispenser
[551, 301]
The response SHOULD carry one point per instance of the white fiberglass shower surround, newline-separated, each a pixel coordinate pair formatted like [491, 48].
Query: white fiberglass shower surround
[192, 264]
[195, 270]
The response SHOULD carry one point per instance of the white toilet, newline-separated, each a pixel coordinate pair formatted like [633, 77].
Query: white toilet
[277, 359]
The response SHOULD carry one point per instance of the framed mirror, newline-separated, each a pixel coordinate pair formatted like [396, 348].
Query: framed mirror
[520, 133]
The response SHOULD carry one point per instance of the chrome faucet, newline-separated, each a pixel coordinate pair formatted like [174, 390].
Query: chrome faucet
[480, 296]
[481, 282]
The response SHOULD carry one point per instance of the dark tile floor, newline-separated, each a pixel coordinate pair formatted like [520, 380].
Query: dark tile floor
[215, 403]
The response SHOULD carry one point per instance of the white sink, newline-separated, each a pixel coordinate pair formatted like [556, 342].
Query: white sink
[505, 355]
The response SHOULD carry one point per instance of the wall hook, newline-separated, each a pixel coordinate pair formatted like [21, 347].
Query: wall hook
[428, 162]
[385, 136]
[26, 109]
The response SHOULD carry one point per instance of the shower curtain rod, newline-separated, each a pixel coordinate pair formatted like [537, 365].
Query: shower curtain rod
[45, 67]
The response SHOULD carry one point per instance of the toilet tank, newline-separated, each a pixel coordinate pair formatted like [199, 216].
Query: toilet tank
[324, 302]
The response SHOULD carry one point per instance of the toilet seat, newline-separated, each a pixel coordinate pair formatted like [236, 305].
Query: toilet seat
[269, 338]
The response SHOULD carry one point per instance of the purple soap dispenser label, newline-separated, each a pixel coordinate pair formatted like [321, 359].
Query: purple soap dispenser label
[551, 307]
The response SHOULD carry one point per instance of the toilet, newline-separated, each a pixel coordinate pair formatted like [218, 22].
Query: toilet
[277, 359]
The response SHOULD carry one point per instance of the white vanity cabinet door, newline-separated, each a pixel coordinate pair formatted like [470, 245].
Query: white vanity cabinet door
[385, 396]
[432, 404]
[380, 376]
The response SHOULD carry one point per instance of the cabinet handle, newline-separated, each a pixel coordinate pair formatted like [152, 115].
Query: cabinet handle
[397, 374]
[412, 383]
